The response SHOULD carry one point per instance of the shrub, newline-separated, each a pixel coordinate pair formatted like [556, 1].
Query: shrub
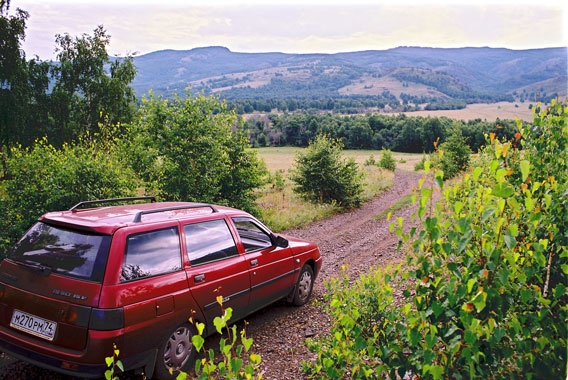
[370, 161]
[192, 149]
[277, 180]
[44, 179]
[387, 160]
[420, 164]
[485, 290]
[453, 154]
[322, 175]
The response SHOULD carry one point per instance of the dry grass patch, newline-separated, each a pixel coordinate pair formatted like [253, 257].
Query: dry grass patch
[281, 209]
[488, 112]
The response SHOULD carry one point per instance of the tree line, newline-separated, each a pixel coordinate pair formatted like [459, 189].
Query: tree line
[398, 133]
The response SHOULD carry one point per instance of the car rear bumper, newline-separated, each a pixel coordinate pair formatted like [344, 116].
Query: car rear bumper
[144, 361]
[53, 364]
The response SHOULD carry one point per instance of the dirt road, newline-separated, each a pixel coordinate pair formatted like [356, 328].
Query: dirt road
[356, 239]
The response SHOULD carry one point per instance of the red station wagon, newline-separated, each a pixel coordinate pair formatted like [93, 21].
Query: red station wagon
[82, 280]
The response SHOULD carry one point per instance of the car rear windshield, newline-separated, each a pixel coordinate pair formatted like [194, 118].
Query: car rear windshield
[64, 251]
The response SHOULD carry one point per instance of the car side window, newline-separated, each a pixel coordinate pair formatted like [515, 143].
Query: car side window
[151, 253]
[252, 236]
[209, 241]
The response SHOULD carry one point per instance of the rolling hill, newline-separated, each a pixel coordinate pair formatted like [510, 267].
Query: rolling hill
[414, 75]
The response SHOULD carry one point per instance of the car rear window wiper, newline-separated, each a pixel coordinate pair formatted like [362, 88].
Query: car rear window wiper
[43, 269]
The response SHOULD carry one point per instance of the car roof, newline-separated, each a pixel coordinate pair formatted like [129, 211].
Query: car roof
[108, 219]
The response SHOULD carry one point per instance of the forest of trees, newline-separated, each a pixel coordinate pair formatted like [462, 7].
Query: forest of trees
[371, 131]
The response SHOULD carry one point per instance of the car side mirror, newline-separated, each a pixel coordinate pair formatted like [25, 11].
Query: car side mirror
[281, 242]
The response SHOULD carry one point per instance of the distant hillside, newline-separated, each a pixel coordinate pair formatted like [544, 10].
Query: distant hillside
[405, 75]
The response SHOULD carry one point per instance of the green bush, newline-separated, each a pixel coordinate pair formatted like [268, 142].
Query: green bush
[278, 181]
[485, 290]
[453, 154]
[192, 149]
[322, 175]
[43, 178]
[371, 161]
[387, 160]
[366, 327]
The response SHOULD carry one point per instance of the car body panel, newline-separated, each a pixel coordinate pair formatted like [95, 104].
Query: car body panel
[136, 308]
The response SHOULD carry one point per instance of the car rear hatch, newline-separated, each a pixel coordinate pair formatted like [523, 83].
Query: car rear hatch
[50, 286]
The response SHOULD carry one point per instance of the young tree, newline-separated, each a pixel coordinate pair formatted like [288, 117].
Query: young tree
[23, 84]
[192, 149]
[387, 160]
[85, 93]
[321, 174]
[454, 154]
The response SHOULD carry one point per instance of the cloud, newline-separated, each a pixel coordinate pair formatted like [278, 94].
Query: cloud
[256, 26]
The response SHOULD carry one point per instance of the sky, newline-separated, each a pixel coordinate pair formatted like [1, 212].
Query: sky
[294, 26]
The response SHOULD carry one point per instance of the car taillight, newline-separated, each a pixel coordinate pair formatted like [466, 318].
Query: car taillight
[78, 315]
[107, 319]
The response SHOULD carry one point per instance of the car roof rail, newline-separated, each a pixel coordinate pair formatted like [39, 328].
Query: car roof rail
[111, 200]
[138, 217]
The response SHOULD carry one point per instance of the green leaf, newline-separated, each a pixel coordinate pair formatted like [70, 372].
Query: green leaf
[431, 340]
[236, 364]
[510, 241]
[197, 341]
[477, 172]
[487, 213]
[200, 327]
[255, 358]
[458, 207]
[525, 169]
[247, 342]
[503, 190]
[470, 283]
[436, 371]
[219, 324]
[480, 300]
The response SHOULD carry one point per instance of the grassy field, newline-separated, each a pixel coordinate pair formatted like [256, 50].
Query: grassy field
[282, 209]
[483, 111]
[489, 112]
[282, 158]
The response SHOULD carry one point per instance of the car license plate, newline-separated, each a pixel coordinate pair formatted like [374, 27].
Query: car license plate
[37, 326]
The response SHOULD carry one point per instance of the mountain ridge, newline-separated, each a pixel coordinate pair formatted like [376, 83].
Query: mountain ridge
[468, 74]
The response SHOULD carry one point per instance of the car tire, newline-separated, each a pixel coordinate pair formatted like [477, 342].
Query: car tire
[304, 286]
[176, 353]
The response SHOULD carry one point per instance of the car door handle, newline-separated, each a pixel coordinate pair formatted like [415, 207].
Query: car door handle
[199, 277]
[254, 262]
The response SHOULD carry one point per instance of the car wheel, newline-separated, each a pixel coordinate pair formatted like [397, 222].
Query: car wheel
[176, 353]
[304, 286]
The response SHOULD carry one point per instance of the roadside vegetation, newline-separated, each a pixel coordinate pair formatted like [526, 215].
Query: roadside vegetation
[485, 286]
